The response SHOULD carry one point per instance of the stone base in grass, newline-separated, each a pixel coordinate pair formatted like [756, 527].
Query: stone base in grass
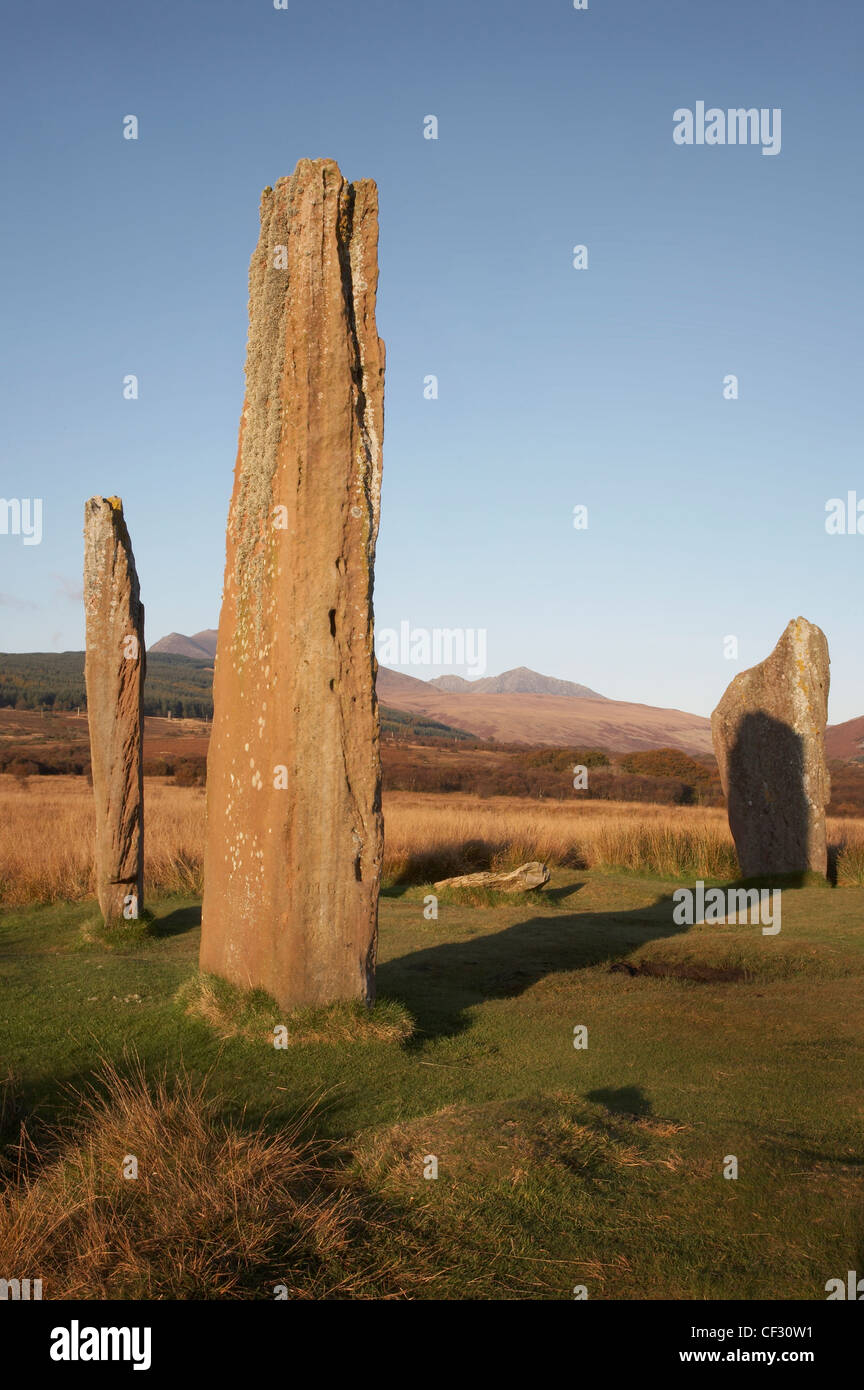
[255, 1016]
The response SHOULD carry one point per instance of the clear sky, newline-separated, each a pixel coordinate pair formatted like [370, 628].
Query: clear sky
[557, 387]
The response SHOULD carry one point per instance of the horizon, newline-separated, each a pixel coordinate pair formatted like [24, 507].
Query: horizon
[396, 670]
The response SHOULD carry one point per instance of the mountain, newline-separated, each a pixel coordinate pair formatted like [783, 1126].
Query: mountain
[522, 706]
[202, 646]
[519, 681]
[454, 684]
[179, 682]
[559, 720]
[391, 684]
[518, 706]
[845, 740]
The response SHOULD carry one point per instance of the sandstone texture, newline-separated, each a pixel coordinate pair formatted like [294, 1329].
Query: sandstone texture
[522, 880]
[114, 671]
[294, 835]
[769, 739]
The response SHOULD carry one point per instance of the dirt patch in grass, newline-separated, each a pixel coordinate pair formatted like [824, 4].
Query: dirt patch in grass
[672, 970]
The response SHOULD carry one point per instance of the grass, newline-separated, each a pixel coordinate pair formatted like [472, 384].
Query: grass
[256, 1017]
[153, 1193]
[428, 837]
[119, 933]
[556, 1166]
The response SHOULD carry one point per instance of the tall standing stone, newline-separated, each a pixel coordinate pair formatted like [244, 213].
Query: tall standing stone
[294, 828]
[769, 738]
[114, 672]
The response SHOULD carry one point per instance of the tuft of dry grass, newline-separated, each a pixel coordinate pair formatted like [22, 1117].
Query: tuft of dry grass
[216, 1211]
[507, 1141]
[46, 837]
[850, 851]
[11, 1111]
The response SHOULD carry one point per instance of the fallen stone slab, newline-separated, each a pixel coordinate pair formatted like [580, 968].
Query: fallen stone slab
[525, 879]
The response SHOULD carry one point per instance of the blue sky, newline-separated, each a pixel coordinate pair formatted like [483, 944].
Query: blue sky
[556, 386]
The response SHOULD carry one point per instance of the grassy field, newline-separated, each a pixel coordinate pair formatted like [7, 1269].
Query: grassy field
[558, 1167]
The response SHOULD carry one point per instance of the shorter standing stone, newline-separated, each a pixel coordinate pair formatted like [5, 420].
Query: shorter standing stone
[769, 739]
[114, 672]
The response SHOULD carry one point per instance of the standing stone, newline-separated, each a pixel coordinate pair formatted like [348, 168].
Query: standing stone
[114, 673]
[769, 739]
[294, 827]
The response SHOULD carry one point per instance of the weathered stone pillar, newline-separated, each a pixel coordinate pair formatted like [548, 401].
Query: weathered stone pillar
[114, 672]
[769, 738]
[294, 831]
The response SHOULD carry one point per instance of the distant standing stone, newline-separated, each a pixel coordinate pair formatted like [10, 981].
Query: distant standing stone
[769, 739]
[114, 671]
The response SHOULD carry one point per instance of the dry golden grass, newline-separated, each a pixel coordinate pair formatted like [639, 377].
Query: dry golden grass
[216, 1210]
[432, 836]
[46, 832]
[509, 1142]
[46, 839]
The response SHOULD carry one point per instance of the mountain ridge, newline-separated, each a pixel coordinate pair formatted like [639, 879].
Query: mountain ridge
[538, 717]
[521, 680]
[200, 645]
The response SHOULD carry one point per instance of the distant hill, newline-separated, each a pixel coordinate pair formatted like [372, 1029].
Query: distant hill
[174, 685]
[392, 684]
[520, 681]
[506, 709]
[181, 685]
[456, 685]
[519, 706]
[402, 725]
[201, 646]
[560, 720]
[845, 740]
